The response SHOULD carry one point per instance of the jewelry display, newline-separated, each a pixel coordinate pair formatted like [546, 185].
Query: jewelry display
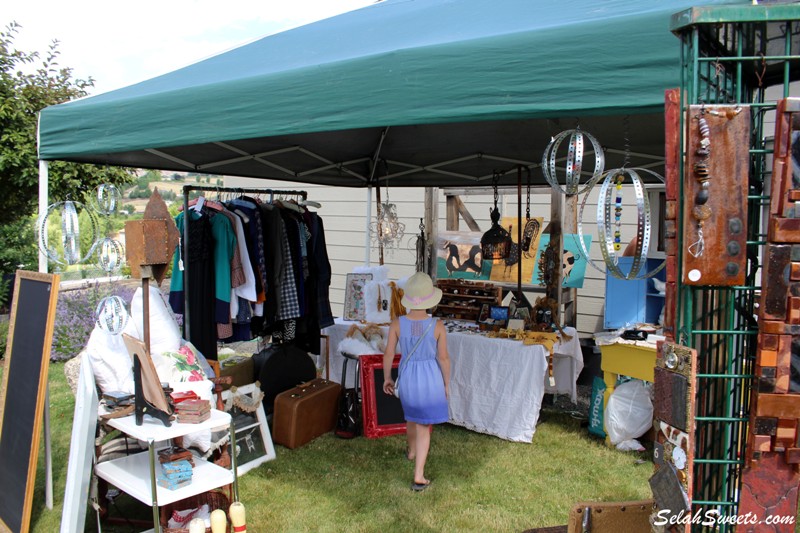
[715, 188]
[701, 211]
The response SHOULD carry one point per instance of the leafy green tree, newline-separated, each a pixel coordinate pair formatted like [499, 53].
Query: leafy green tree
[29, 83]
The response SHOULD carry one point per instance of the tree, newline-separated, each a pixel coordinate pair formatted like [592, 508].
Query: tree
[24, 91]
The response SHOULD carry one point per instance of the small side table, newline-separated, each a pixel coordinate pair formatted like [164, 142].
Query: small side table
[627, 360]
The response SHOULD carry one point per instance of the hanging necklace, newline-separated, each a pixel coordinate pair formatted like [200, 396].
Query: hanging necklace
[701, 212]
[618, 212]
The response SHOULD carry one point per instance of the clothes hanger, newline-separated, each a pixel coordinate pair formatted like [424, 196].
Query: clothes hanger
[203, 202]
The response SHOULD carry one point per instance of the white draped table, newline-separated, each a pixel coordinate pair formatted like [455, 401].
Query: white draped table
[496, 385]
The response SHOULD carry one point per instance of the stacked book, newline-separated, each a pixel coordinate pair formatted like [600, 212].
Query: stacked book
[193, 411]
[175, 453]
[174, 474]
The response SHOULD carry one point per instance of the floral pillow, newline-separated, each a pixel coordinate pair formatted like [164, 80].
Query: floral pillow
[186, 363]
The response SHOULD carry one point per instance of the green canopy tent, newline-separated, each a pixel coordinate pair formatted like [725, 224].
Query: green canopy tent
[442, 92]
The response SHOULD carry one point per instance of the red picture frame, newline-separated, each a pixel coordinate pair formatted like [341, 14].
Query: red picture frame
[382, 413]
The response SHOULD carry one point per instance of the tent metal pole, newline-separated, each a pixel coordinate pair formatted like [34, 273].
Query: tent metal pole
[366, 228]
[373, 166]
[44, 183]
[44, 179]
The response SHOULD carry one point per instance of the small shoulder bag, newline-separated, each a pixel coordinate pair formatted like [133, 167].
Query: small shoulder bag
[407, 358]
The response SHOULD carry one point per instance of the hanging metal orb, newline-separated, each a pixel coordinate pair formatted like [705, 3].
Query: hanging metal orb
[112, 316]
[68, 250]
[110, 255]
[609, 213]
[106, 199]
[574, 158]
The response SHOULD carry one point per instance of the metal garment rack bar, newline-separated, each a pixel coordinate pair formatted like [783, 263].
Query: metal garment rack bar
[184, 245]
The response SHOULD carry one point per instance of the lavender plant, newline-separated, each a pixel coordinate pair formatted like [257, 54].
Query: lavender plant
[75, 317]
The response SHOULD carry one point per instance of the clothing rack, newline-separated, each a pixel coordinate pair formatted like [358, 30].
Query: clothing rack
[187, 189]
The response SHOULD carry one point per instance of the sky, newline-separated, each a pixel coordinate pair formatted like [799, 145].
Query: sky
[122, 43]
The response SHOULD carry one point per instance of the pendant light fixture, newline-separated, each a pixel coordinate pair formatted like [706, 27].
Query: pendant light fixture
[495, 243]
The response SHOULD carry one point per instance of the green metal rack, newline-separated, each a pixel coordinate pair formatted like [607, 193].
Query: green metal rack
[745, 54]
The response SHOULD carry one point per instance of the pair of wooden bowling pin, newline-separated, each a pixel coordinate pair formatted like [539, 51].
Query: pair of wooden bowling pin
[219, 522]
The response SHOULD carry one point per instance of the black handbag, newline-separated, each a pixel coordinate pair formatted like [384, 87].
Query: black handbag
[348, 423]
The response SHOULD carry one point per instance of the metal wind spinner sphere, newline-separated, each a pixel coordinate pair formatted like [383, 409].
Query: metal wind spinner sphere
[112, 316]
[609, 215]
[110, 255]
[69, 251]
[106, 199]
[574, 159]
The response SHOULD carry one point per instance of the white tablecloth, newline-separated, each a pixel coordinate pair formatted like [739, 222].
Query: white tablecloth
[496, 385]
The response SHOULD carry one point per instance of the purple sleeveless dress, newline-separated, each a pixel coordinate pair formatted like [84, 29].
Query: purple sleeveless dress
[421, 383]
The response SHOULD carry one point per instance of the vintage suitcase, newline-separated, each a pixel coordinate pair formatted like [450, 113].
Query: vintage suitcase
[305, 412]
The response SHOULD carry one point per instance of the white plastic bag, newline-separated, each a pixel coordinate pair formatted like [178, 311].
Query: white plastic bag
[629, 413]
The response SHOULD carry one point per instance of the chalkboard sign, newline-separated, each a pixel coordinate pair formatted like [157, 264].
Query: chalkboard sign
[22, 393]
[382, 413]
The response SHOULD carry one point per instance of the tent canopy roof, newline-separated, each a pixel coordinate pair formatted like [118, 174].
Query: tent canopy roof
[438, 92]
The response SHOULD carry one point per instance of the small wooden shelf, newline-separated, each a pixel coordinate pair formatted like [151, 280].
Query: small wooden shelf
[462, 299]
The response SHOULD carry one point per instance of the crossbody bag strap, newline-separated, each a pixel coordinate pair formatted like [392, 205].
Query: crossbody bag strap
[407, 358]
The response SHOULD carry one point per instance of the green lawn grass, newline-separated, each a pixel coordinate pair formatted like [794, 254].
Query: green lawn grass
[480, 482]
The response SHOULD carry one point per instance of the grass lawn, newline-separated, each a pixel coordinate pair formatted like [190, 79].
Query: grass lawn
[480, 482]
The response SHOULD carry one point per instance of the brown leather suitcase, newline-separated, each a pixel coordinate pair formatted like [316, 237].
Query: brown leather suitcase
[305, 412]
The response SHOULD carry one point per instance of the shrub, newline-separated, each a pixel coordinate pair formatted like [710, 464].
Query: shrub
[3, 337]
[75, 317]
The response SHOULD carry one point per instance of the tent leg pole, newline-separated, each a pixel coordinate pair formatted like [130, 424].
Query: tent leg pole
[44, 177]
[366, 218]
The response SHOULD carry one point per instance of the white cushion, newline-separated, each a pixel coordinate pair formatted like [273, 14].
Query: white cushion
[165, 334]
[111, 363]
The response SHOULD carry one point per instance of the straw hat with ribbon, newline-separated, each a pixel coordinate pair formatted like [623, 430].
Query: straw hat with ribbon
[419, 292]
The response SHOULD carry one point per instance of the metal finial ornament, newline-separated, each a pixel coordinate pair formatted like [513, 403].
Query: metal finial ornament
[110, 255]
[69, 251]
[609, 209]
[575, 159]
[111, 315]
[106, 199]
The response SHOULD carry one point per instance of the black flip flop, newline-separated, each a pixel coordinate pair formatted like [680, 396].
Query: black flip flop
[419, 487]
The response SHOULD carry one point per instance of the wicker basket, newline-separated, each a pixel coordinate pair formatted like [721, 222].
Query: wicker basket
[214, 498]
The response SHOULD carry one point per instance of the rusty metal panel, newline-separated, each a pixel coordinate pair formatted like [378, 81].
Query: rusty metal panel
[151, 242]
[674, 408]
[669, 397]
[720, 211]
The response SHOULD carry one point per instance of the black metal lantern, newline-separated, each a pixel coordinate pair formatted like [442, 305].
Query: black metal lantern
[495, 243]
